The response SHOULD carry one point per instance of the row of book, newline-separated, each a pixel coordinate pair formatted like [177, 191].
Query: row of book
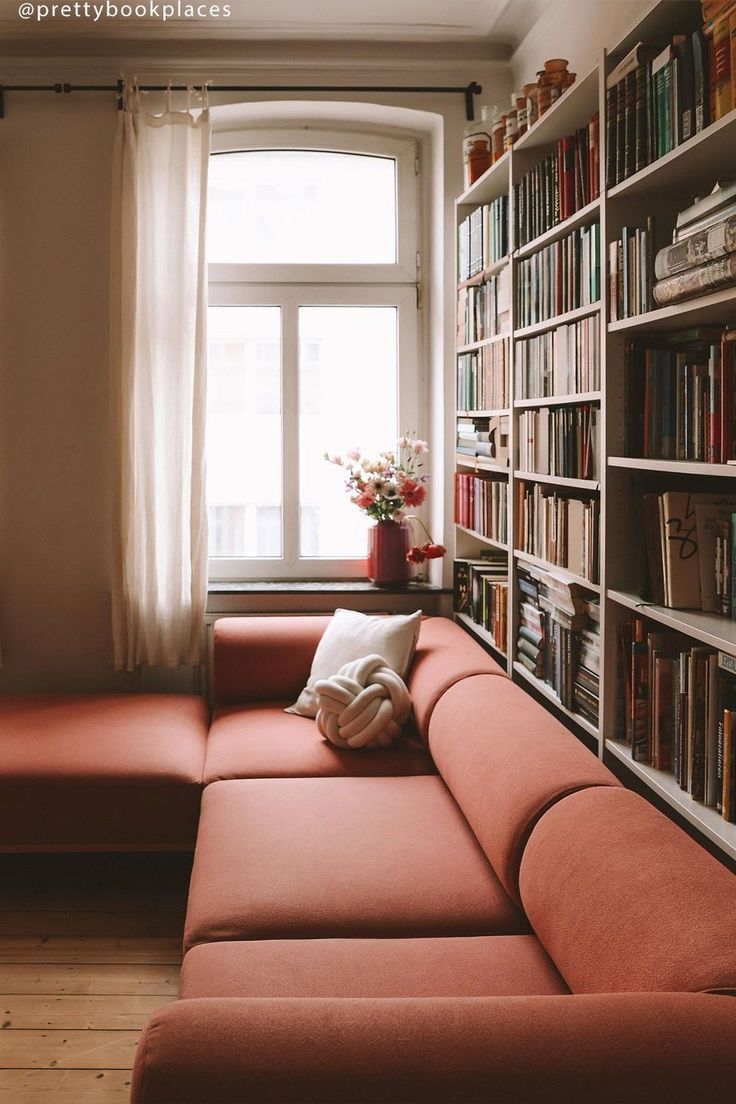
[563, 441]
[559, 527]
[481, 591]
[558, 638]
[679, 706]
[563, 182]
[559, 278]
[681, 396]
[660, 95]
[563, 361]
[483, 238]
[484, 310]
[702, 256]
[481, 504]
[631, 271]
[689, 540]
[483, 378]
[484, 437]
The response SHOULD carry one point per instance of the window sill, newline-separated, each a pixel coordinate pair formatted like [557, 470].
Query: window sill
[322, 586]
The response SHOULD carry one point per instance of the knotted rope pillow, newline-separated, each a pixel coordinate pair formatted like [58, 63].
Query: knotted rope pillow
[363, 706]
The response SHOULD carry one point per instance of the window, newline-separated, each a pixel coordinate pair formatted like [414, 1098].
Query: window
[313, 269]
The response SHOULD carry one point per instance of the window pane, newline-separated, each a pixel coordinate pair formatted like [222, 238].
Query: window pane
[348, 383]
[301, 207]
[244, 431]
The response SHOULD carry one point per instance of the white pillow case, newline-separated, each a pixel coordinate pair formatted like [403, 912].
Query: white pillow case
[351, 635]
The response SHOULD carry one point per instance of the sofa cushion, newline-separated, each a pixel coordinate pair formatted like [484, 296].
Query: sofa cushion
[471, 966]
[506, 760]
[94, 771]
[353, 635]
[320, 857]
[445, 654]
[260, 741]
[622, 899]
[263, 658]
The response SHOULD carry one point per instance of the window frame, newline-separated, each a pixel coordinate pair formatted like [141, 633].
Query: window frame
[290, 286]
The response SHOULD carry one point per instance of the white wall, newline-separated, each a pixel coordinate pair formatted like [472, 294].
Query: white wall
[55, 445]
[574, 29]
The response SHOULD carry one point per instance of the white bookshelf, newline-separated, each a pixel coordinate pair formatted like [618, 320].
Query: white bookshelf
[661, 188]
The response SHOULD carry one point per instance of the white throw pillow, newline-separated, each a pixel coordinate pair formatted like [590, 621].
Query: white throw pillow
[351, 635]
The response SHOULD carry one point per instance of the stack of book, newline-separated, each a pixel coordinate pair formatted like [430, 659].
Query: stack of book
[657, 98]
[483, 238]
[679, 706]
[555, 634]
[565, 181]
[702, 256]
[484, 437]
[483, 378]
[631, 271]
[481, 504]
[681, 396]
[562, 441]
[481, 589]
[689, 542]
[484, 310]
[564, 361]
[559, 278]
[558, 527]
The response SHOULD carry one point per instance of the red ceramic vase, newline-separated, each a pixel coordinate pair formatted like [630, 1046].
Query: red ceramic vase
[388, 543]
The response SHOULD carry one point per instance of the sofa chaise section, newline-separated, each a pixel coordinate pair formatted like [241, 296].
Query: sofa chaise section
[118, 772]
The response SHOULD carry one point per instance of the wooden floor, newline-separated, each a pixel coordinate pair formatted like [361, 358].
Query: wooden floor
[90, 946]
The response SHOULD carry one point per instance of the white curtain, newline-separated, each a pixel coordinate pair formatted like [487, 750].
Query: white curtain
[158, 348]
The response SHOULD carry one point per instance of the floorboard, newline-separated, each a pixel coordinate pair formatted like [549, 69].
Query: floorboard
[90, 947]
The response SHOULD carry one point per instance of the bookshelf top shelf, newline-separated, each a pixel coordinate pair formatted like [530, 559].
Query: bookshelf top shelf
[674, 467]
[493, 183]
[719, 306]
[586, 215]
[689, 169]
[573, 110]
[709, 628]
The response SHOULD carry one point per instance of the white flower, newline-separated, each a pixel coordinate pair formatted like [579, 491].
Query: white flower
[420, 447]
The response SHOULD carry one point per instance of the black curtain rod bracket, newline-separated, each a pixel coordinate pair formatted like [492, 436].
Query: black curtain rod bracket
[470, 91]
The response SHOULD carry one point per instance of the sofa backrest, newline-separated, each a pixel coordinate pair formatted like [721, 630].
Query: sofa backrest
[506, 760]
[445, 654]
[263, 658]
[622, 899]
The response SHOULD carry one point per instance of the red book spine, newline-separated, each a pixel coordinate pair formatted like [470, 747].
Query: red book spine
[728, 367]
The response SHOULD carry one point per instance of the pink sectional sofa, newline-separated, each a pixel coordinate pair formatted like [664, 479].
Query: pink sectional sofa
[485, 916]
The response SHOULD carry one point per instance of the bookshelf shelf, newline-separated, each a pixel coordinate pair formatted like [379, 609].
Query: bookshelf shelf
[558, 481]
[493, 183]
[719, 306]
[573, 109]
[572, 399]
[480, 537]
[475, 345]
[705, 819]
[480, 463]
[547, 692]
[558, 320]
[583, 217]
[479, 632]
[486, 274]
[690, 167]
[481, 413]
[535, 561]
[708, 628]
[675, 467]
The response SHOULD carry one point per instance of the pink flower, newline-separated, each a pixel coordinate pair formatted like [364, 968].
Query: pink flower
[434, 551]
[420, 447]
[353, 454]
[412, 493]
[363, 499]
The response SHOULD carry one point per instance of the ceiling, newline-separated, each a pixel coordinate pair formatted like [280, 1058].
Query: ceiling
[492, 22]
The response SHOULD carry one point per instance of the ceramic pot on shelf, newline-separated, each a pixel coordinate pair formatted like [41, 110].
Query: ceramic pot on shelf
[388, 544]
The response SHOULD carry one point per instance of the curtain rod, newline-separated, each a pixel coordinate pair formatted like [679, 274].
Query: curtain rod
[469, 91]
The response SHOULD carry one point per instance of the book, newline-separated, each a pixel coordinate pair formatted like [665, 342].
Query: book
[697, 249]
[723, 193]
[723, 91]
[695, 281]
[701, 81]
